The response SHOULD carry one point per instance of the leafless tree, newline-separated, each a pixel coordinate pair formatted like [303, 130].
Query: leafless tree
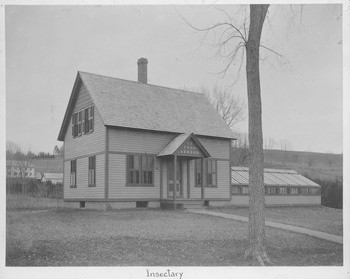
[11, 149]
[19, 162]
[62, 150]
[269, 144]
[229, 106]
[285, 144]
[234, 41]
[241, 149]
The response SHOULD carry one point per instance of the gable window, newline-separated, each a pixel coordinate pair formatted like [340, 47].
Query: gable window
[73, 173]
[92, 171]
[89, 120]
[140, 170]
[83, 122]
[198, 172]
[75, 125]
[211, 173]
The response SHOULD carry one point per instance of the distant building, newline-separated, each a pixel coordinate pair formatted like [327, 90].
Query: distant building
[282, 187]
[53, 177]
[21, 169]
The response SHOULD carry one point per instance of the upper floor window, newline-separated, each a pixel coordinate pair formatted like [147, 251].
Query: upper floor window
[89, 120]
[83, 122]
[140, 170]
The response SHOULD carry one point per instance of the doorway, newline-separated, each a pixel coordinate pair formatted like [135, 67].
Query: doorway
[178, 180]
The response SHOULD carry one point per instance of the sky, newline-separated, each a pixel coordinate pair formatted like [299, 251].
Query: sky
[47, 45]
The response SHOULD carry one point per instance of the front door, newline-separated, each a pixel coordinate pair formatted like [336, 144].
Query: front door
[178, 181]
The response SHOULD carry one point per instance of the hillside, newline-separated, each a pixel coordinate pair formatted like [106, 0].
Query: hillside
[315, 165]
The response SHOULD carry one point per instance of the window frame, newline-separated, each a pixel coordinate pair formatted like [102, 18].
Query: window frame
[83, 122]
[198, 168]
[75, 125]
[73, 163]
[92, 171]
[139, 169]
[211, 161]
[89, 117]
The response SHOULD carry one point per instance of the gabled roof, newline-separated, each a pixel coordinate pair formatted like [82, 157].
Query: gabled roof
[272, 177]
[179, 141]
[130, 104]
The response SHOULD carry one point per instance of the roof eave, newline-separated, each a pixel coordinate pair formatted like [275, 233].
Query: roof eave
[69, 109]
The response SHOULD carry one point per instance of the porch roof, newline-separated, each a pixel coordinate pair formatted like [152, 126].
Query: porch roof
[179, 141]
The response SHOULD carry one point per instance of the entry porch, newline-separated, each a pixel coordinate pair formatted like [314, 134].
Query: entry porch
[182, 173]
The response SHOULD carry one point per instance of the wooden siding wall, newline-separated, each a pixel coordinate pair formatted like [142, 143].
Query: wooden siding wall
[117, 188]
[133, 141]
[83, 191]
[222, 190]
[81, 148]
[123, 141]
[217, 148]
[85, 144]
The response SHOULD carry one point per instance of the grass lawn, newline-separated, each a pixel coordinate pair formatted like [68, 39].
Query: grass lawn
[19, 202]
[320, 218]
[67, 237]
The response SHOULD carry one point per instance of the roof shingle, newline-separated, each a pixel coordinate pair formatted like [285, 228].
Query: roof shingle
[131, 104]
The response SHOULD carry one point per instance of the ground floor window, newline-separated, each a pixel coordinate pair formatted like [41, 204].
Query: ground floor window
[140, 170]
[73, 173]
[92, 171]
[210, 171]
[240, 190]
[273, 190]
[282, 190]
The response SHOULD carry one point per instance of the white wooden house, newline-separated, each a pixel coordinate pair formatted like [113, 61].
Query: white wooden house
[127, 141]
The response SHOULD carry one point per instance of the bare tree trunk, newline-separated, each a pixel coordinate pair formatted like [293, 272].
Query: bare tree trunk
[256, 248]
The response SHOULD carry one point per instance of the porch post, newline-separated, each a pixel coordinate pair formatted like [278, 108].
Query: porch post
[202, 180]
[174, 184]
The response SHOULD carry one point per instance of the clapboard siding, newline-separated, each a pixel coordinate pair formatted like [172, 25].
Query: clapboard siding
[217, 148]
[117, 188]
[222, 189]
[123, 140]
[85, 144]
[83, 190]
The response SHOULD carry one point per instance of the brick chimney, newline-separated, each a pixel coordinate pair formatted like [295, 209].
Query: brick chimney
[142, 70]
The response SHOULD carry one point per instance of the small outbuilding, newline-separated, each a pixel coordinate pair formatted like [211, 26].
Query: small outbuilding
[53, 177]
